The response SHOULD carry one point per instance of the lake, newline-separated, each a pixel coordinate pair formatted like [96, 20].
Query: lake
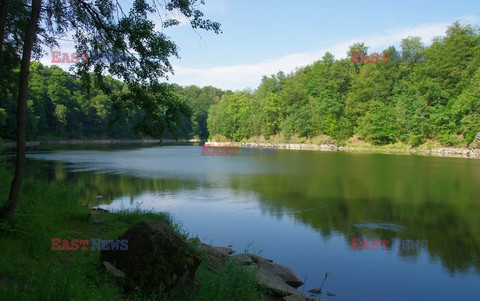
[302, 209]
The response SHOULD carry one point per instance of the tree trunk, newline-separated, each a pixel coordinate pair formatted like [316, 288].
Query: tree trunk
[3, 22]
[30, 35]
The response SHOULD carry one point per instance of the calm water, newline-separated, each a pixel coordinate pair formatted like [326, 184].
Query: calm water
[302, 208]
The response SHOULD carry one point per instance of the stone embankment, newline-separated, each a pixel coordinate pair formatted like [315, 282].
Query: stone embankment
[439, 152]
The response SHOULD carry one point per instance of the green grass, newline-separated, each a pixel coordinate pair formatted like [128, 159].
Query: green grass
[30, 270]
[234, 283]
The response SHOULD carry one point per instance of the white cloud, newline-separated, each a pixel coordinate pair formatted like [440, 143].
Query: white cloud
[237, 77]
[240, 76]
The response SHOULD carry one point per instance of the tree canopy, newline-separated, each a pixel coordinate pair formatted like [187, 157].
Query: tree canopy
[408, 100]
[105, 30]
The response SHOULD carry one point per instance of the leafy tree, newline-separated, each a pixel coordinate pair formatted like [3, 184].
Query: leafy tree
[412, 47]
[199, 100]
[102, 27]
[271, 115]
[30, 32]
[357, 52]
[378, 125]
[233, 116]
[466, 110]
[407, 100]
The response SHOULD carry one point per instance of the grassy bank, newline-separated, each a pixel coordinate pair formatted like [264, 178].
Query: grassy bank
[30, 270]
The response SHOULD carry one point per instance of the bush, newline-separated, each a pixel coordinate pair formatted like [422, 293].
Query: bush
[379, 124]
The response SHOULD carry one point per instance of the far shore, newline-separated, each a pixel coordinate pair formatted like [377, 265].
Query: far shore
[100, 141]
[437, 152]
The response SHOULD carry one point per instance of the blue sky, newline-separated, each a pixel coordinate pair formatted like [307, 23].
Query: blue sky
[264, 36]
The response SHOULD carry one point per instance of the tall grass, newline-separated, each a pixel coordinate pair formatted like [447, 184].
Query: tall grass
[30, 270]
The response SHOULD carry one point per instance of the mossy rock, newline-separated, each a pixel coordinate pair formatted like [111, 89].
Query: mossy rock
[156, 258]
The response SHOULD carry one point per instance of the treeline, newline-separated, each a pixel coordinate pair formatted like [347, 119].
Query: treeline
[409, 101]
[62, 105]
[199, 100]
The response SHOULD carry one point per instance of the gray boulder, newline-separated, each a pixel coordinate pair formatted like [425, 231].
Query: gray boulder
[214, 257]
[215, 251]
[279, 280]
[242, 259]
[285, 273]
[275, 284]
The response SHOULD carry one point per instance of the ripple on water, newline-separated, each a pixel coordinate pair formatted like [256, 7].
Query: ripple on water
[381, 225]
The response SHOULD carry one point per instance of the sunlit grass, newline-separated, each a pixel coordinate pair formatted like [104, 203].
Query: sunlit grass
[30, 270]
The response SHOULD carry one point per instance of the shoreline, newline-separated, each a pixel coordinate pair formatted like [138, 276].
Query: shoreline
[98, 141]
[92, 278]
[450, 152]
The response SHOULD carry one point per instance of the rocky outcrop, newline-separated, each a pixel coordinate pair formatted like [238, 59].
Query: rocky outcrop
[295, 146]
[280, 281]
[285, 273]
[472, 152]
[214, 257]
[275, 284]
[476, 142]
[156, 257]
[455, 152]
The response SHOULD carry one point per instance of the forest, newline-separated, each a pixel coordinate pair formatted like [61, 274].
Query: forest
[404, 100]
[60, 105]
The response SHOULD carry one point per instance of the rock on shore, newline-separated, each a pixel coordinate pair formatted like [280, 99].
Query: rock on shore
[472, 152]
[158, 257]
[280, 281]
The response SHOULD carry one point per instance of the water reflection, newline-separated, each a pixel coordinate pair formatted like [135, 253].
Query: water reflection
[303, 208]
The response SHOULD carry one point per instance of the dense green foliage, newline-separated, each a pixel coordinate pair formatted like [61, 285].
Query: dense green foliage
[122, 41]
[381, 103]
[407, 101]
[199, 101]
[61, 106]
